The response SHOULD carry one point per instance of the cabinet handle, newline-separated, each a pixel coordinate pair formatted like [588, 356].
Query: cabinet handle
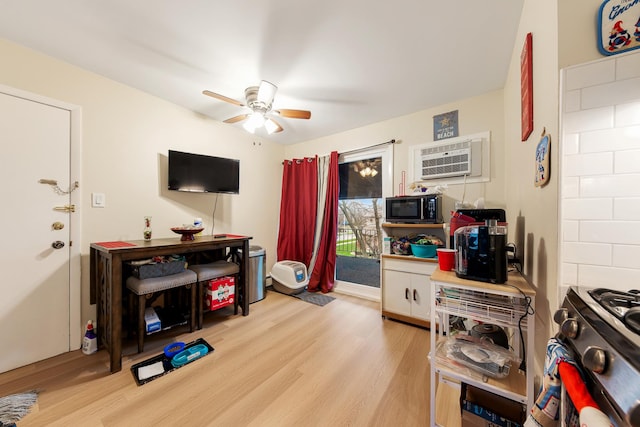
[406, 293]
[415, 295]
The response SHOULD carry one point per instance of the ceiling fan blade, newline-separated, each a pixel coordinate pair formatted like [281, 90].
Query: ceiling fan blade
[277, 129]
[223, 98]
[236, 119]
[294, 114]
[266, 92]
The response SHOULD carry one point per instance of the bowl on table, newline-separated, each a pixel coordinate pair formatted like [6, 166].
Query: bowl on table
[188, 233]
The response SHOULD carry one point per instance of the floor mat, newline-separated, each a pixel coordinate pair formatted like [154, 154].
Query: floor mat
[314, 298]
[157, 366]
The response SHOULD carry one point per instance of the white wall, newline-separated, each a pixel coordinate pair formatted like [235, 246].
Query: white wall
[599, 192]
[126, 135]
[475, 115]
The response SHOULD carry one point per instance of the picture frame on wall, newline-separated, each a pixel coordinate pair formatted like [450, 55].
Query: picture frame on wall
[526, 87]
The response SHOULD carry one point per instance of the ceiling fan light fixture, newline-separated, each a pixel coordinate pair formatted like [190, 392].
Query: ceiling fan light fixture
[266, 93]
[254, 121]
[270, 126]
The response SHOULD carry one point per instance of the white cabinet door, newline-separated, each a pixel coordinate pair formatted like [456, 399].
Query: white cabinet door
[420, 294]
[396, 291]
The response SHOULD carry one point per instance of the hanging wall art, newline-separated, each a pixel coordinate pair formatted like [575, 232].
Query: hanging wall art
[543, 152]
[618, 26]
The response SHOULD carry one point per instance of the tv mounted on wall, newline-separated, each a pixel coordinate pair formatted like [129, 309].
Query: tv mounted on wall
[198, 173]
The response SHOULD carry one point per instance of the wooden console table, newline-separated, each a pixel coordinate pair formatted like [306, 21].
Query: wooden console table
[107, 282]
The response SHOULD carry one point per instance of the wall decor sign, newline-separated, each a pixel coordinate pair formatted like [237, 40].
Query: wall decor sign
[543, 152]
[526, 87]
[618, 26]
[445, 125]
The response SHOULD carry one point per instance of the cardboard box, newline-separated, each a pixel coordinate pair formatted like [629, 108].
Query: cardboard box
[220, 292]
[481, 408]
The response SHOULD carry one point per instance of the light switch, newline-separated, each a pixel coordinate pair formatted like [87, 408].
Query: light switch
[98, 200]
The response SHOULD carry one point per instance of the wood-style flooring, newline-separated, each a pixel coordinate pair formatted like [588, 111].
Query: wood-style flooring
[289, 363]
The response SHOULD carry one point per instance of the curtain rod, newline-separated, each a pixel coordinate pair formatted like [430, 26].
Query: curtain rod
[391, 141]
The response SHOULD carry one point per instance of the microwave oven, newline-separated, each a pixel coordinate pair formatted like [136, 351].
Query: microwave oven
[420, 209]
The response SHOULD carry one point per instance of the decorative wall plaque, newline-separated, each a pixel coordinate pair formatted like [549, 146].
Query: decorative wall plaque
[526, 87]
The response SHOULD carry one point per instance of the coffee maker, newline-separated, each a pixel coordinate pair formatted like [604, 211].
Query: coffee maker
[481, 252]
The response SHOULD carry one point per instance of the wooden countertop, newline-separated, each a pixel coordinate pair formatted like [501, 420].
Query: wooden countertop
[514, 280]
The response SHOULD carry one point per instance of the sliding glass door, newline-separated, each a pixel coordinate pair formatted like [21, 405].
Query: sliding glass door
[365, 179]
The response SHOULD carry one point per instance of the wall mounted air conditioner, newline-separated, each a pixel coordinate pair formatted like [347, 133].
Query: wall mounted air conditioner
[452, 158]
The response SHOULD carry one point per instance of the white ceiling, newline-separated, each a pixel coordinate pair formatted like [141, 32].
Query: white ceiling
[350, 62]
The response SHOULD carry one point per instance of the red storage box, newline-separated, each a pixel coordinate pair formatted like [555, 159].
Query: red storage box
[220, 292]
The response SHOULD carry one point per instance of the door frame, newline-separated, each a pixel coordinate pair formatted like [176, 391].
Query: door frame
[386, 153]
[75, 219]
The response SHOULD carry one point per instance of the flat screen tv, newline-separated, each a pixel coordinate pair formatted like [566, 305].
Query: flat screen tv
[198, 173]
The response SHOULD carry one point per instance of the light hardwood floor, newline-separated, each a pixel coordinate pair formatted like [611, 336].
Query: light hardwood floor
[289, 363]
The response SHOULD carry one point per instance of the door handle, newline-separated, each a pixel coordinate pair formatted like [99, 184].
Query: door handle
[406, 293]
[57, 244]
[65, 208]
[415, 295]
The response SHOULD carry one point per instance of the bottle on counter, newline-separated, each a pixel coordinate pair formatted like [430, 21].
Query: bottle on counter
[90, 340]
[147, 228]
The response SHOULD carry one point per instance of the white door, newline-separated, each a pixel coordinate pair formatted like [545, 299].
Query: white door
[37, 272]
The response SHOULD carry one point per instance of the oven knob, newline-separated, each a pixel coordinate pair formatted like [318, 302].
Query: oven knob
[594, 359]
[569, 328]
[561, 315]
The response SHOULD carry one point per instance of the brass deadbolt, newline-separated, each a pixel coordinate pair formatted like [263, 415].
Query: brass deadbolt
[57, 225]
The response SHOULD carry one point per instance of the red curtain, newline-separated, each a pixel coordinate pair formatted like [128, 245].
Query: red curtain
[298, 210]
[323, 275]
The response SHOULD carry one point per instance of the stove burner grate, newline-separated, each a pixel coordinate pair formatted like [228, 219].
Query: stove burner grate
[625, 306]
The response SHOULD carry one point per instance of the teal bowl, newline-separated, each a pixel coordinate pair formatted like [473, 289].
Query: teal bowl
[424, 251]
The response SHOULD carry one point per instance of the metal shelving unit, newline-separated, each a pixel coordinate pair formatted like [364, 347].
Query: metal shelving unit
[507, 305]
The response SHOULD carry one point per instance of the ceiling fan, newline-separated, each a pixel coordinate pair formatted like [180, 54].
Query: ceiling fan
[259, 100]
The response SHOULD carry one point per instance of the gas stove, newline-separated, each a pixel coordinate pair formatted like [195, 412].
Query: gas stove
[602, 328]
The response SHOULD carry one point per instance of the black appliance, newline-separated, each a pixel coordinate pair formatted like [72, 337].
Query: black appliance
[481, 252]
[419, 209]
[198, 173]
[601, 328]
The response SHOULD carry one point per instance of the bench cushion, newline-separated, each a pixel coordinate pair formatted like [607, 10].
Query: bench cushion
[157, 284]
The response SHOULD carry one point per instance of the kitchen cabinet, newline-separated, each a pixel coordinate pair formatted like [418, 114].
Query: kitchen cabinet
[405, 288]
[405, 279]
[511, 306]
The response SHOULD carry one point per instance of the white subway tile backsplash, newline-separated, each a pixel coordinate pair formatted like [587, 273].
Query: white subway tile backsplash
[570, 231]
[571, 144]
[620, 92]
[628, 114]
[587, 253]
[628, 66]
[600, 174]
[585, 209]
[586, 120]
[621, 279]
[626, 256]
[570, 187]
[592, 74]
[627, 161]
[610, 186]
[569, 274]
[609, 139]
[613, 232]
[627, 208]
[572, 101]
[588, 164]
